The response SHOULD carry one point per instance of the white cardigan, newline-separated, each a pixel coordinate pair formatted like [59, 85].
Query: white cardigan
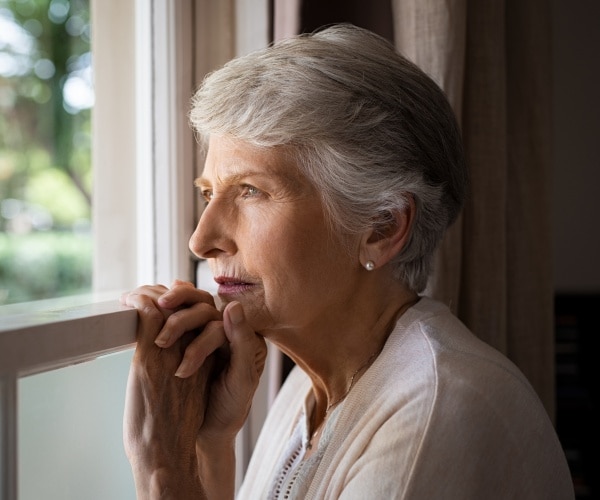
[438, 415]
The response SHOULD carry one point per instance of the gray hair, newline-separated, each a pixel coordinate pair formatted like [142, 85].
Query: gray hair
[365, 125]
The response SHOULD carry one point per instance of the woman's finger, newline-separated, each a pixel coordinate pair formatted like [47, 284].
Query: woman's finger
[211, 338]
[184, 320]
[248, 350]
[151, 318]
[184, 294]
[239, 373]
[154, 292]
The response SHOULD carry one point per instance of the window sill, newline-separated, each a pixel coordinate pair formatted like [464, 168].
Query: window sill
[41, 336]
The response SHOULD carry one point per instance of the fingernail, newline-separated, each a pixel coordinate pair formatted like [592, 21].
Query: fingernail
[165, 298]
[163, 338]
[183, 369]
[236, 313]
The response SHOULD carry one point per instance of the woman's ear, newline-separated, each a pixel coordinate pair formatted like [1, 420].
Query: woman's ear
[385, 240]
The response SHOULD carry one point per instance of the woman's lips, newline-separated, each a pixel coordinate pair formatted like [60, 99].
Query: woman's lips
[232, 286]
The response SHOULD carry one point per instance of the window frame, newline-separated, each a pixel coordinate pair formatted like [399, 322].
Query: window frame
[143, 80]
[154, 151]
[145, 160]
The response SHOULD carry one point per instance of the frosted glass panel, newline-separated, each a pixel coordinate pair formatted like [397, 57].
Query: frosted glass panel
[70, 432]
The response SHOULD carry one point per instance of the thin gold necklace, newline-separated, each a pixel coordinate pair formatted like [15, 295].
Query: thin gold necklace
[400, 311]
[360, 368]
[339, 400]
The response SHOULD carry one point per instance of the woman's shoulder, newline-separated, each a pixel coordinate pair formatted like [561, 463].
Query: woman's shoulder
[438, 399]
[440, 361]
[432, 336]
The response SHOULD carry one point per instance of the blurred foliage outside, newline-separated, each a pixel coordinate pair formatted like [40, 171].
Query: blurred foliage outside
[44, 264]
[46, 94]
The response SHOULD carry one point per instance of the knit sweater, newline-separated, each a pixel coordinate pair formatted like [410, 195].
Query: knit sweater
[438, 415]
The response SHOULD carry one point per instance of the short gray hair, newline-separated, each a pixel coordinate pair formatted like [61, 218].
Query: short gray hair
[365, 125]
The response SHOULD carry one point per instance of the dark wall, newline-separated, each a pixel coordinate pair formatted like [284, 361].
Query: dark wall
[576, 195]
[375, 15]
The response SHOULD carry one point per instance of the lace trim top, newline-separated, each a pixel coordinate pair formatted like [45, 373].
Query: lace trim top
[295, 472]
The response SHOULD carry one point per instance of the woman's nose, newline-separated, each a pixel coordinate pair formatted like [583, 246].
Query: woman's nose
[212, 234]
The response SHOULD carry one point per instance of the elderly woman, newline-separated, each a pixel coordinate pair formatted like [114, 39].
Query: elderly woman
[333, 168]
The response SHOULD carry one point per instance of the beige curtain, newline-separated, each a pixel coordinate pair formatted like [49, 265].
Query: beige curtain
[494, 268]
[493, 60]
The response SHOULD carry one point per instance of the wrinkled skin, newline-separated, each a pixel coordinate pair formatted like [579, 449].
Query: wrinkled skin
[190, 388]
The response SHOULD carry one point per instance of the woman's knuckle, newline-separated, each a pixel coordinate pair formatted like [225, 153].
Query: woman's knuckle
[152, 314]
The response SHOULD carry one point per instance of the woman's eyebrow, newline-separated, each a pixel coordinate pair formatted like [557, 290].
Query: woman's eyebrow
[236, 177]
[202, 182]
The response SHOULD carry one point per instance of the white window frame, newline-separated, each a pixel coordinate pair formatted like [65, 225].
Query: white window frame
[144, 211]
[143, 195]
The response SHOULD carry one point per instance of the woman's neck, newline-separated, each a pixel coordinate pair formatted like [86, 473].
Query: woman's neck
[337, 353]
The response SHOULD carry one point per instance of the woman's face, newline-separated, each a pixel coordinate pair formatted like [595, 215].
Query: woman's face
[266, 238]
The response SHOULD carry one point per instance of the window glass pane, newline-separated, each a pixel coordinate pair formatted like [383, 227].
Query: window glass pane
[70, 432]
[46, 95]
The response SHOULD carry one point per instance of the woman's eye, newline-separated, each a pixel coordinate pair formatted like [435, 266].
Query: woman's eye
[250, 191]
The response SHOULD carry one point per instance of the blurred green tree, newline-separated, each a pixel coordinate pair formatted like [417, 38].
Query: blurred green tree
[46, 95]
[45, 91]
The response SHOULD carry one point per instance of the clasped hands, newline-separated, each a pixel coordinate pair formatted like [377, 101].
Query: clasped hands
[190, 387]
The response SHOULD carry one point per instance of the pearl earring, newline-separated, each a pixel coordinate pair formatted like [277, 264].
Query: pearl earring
[369, 265]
